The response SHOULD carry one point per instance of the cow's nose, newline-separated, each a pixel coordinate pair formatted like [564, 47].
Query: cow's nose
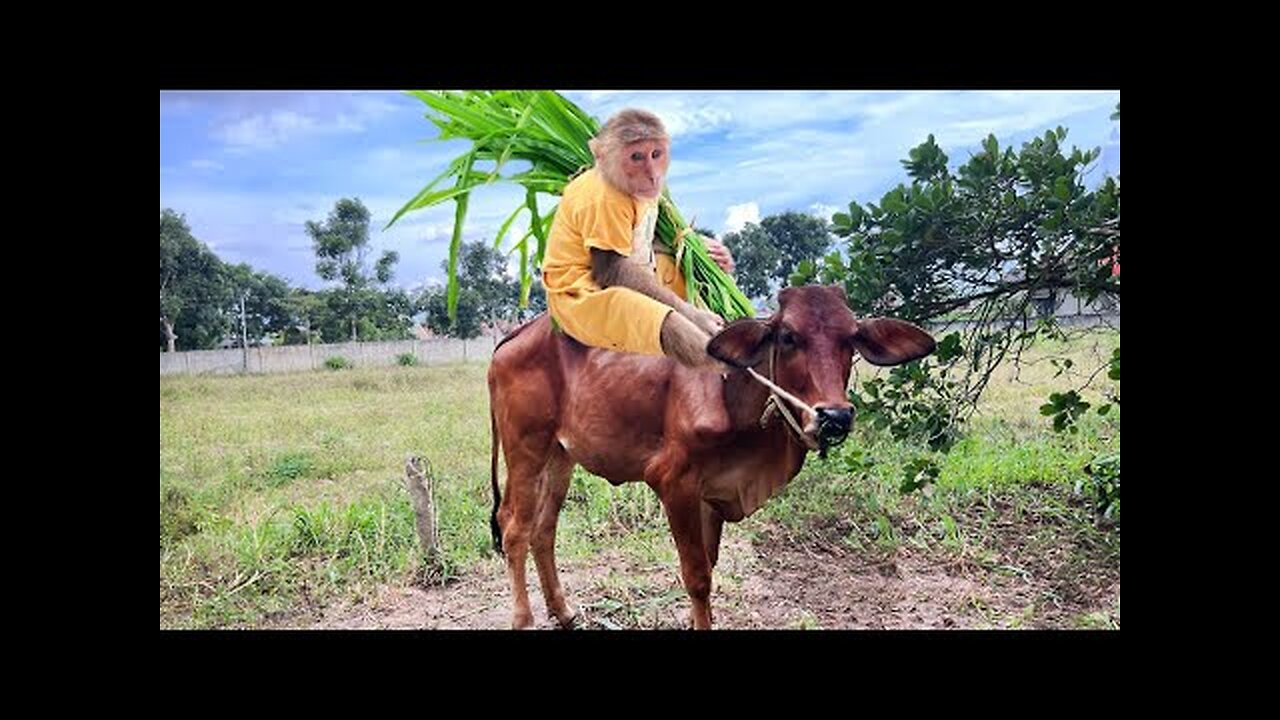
[834, 422]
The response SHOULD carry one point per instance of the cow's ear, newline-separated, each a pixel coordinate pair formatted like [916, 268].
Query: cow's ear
[885, 341]
[743, 343]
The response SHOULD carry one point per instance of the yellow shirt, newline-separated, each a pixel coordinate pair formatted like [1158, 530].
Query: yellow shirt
[592, 213]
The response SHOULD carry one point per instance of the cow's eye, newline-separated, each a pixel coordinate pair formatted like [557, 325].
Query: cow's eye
[788, 340]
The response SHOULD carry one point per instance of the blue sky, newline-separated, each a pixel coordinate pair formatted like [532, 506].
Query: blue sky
[248, 169]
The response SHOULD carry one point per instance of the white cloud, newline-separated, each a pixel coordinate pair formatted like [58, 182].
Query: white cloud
[261, 121]
[681, 168]
[595, 96]
[889, 107]
[737, 216]
[176, 105]
[374, 106]
[824, 211]
[1030, 112]
[203, 164]
[791, 150]
[265, 131]
[682, 122]
[684, 115]
[409, 167]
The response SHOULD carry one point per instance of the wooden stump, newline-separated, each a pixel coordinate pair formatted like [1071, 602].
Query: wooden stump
[419, 481]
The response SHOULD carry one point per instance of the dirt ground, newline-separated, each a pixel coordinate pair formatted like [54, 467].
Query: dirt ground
[778, 582]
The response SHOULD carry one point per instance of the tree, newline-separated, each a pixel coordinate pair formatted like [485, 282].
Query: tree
[757, 259]
[985, 238]
[341, 245]
[489, 294]
[767, 253]
[484, 271]
[265, 297]
[979, 244]
[537, 301]
[392, 315]
[191, 287]
[305, 309]
[467, 324]
[798, 237]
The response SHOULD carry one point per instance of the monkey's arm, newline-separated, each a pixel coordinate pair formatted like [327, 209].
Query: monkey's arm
[609, 268]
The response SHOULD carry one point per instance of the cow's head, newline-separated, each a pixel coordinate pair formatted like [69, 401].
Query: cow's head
[811, 340]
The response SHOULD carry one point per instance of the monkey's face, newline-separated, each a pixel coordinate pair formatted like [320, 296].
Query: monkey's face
[639, 168]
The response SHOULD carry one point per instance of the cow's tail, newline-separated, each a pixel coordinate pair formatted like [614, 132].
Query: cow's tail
[494, 527]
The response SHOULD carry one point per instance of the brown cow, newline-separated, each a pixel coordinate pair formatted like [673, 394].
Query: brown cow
[697, 437]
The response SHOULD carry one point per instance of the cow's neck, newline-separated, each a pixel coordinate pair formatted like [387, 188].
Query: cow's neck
[745, 399]
[760, 461]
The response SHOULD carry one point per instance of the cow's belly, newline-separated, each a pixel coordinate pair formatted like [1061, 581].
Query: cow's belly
[612, 422]
[614, 458]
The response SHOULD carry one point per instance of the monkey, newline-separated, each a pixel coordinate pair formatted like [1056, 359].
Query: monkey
[616, 300]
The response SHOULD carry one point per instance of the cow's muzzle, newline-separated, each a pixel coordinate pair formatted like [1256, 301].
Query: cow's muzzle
[834, 423]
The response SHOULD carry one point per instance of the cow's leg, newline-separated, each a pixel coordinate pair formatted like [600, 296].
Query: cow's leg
[712, 524]
[516, 515]
[555, 485]
[684, 514]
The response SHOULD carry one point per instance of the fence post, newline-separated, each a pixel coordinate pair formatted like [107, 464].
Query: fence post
[420, 483]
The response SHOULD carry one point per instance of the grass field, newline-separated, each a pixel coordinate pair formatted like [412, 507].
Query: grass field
[281, 498]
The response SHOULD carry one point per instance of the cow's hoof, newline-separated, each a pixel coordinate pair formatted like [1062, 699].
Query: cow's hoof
[522, 622]
[568, 621]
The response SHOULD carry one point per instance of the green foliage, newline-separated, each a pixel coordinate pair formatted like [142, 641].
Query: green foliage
[179, 516]
[1103, 474]
[1064, 408]
[266, 303]
[768, 253]
[193, 292]
[466, 324]
[1005, 223]
[489, 295]
[356, 308]
[337, 362]
[917, 474]
[288, 467]
[977, 244]
[916, 403]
